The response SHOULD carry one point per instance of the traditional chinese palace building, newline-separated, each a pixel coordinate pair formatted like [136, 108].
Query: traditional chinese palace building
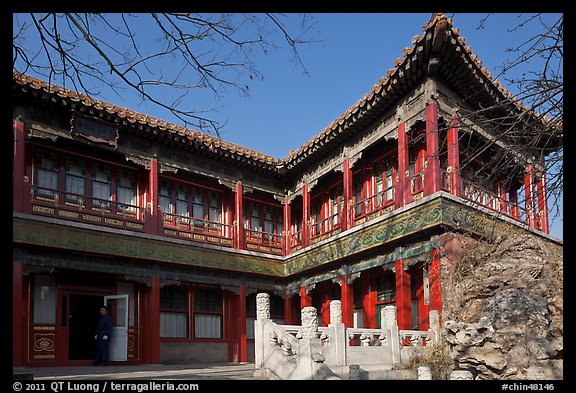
[178, 230]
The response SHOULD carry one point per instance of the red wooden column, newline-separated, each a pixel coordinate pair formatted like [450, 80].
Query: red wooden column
[243, 351]
[435, 282]
[529, 193]
[288, 311]
[287, 225]
[403, 194]
[347, 302]
[346, 193]
[228, 213]
[543, 204]
[18, 312]
[154, 321]
[19, 161]
[305, 216]
[369, 299]
[153, 222]
[305, 298]
[423, 308]
[454, 157]
[503, 193]
[432, 175]
[238, 224]
[403, 296]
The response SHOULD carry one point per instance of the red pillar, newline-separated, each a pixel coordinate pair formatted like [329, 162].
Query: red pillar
[432, 180]
[243, 351]
[287, 224]
[369, 300]
[288, 312]
[305, 299]
[403, 296]
[238, 221]
[228, 213]
[19, 161]
[305, 216]
[454, 157]
[153, 223]
[503, 198]
[347, 302]
[543, 204]
[18, 313]
[529, 193]
[435, 282]
[347, 193]
[403, 194]
[154, 321]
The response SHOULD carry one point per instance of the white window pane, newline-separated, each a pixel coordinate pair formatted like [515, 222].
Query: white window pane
[250, 328]
[127, 288]
[44, 299]
[173, 325]
[207, 326]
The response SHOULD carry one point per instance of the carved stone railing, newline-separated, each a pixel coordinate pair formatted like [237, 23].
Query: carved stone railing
[307, 351]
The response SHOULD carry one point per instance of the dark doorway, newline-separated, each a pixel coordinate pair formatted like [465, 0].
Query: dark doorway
[84, 315]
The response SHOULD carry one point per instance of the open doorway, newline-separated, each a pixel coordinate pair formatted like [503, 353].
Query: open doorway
[84, 315]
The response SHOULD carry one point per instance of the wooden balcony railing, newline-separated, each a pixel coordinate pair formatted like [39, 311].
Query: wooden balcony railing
[257, 240]
[481, 196]
[326, 228]
[200, 230]
[417, 185]
[373, 206]
[295, 241]
[83, 208]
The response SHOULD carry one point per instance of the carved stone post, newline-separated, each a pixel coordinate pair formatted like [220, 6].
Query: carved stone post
[309, 317]
[388, 322]
[262, 318]
[338, 339]
[335, 312]
[434, 329]
[424, 373]
[354, 372]
[388, 317]
[458, 375]
[262, 306]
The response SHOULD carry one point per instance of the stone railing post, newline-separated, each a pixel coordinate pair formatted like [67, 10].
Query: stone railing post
[309, 317]
[388, 322]
[339, 342]
[457, 375]
[434, 330]
[424, 373]
[262, 317]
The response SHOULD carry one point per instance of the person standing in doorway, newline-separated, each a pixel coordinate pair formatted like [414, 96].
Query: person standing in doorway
[102, 337]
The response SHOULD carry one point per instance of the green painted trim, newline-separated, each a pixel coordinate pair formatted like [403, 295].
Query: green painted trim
[85, 240]
[410, 221]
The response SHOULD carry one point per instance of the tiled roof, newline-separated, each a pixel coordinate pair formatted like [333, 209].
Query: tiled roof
[134, 117]
[438, 23]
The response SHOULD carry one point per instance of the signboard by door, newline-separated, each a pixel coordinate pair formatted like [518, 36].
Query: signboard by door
[118, 305]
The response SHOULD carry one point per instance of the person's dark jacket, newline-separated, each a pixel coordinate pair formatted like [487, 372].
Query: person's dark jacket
[104, 327]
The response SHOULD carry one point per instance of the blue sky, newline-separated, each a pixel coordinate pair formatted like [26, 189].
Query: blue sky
[288, 107]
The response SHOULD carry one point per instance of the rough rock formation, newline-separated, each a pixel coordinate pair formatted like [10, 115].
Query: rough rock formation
[503, 305]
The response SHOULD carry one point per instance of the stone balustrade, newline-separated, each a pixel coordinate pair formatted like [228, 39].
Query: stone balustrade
[310, 352]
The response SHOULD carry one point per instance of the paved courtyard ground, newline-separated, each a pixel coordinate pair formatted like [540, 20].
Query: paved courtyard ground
[144, 372]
